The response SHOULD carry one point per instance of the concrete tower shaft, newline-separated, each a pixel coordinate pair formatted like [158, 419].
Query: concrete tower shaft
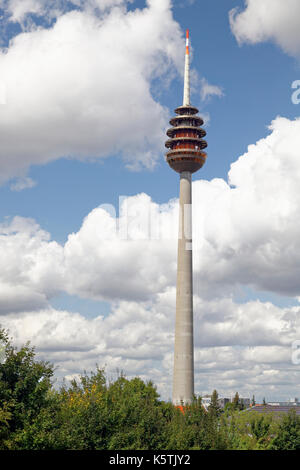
[183, 374]
[185, 156]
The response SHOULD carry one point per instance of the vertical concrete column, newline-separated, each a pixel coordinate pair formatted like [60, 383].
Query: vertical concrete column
[183, 377]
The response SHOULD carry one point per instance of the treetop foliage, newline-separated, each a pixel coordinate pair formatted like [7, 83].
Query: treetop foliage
[93, 412]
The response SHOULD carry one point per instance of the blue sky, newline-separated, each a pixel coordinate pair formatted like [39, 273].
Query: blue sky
[253, 74]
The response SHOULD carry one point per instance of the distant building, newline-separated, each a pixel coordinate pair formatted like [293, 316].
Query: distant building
[274, 408]
[222, 401]
[270, 407]
[245, 402]
[291, 402]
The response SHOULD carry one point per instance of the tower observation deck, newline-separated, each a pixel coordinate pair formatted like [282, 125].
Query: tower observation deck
[186, 142]
[186, 156]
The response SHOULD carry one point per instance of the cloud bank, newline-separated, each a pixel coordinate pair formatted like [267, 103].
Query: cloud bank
[234, 348]
[246, 234]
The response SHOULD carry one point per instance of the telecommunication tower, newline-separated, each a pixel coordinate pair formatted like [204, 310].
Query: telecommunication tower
[185, 156]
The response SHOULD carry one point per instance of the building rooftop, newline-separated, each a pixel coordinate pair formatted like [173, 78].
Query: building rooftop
[274, 409]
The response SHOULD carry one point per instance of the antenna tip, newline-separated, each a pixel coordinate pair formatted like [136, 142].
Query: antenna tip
[187, 42]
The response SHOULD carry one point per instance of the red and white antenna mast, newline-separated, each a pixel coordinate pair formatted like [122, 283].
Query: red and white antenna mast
[186, 93]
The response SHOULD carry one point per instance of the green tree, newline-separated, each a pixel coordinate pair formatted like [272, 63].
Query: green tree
[253, 403]
[236, 401]
[195, 429]
[248, 430]
[24, 386]
[94, 413]
[137, 414]
[260, 427]
[5, 416]
[288, 436]
[214, 407]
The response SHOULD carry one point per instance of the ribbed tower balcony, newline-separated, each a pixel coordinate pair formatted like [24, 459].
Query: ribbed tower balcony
[186, 142]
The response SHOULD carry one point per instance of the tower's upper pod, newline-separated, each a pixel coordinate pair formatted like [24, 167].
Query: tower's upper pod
[186, 142]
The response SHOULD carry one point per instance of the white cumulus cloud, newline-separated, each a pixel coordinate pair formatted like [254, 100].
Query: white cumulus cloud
[246, 232]
[250, 230]
[268, 20]
[208, 90]
[82, 87]
[138, 338]
[18, 11]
